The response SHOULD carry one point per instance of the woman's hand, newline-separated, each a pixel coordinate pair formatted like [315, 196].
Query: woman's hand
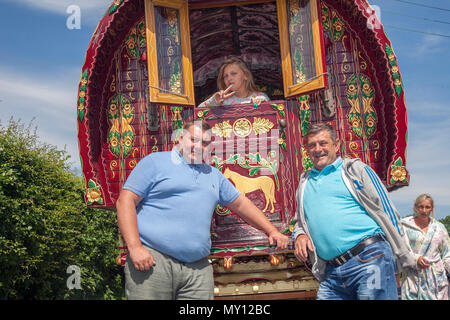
[221, 95]
[423, 263]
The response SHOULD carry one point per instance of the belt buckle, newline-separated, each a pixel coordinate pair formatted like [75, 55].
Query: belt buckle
[340, 260]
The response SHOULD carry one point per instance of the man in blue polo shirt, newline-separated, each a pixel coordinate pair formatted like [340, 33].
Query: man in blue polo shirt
[347, 222]
[164, 214]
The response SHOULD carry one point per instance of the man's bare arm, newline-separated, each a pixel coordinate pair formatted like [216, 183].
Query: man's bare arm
[127, 219]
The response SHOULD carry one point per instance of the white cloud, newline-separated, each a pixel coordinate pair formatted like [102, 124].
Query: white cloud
[91, 10]
[60, 6]
[428, 158]
[428, 44]
[49, 100]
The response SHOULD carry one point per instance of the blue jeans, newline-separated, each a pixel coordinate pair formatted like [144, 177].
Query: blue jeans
[368, 276]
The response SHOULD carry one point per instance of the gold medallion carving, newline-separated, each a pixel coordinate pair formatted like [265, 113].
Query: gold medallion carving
[242, 127]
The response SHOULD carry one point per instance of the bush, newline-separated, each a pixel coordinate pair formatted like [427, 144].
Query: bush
[446, 222]
[45, 226]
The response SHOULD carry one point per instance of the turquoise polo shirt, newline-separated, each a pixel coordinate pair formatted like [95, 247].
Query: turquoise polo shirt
[336, 221]
[179, 199]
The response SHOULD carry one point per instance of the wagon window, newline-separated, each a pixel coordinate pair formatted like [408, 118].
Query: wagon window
[301, 46]
[169, 52]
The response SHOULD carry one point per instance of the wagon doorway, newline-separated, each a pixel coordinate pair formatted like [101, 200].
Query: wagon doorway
[280, 42]
[248, 31]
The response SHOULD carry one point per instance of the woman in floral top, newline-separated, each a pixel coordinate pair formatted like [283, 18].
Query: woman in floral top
[429, 240]
[236, 86]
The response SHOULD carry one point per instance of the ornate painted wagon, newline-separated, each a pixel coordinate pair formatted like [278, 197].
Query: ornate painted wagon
[150, 62]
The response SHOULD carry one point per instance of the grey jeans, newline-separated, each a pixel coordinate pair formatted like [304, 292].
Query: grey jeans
[169, 279]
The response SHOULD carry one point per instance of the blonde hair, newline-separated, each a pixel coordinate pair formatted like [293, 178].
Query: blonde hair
[421, 198]
[249, 83]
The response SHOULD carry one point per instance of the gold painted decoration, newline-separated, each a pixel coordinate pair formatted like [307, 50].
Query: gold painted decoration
[262, 125]
[127, 131]
[370, 116]
[112, 166]
[222, 129]
[325, 16]
[81, 105]
[359, 89]
[228, 262]
[246, 185]
[338, 25]
[142, 33]
[306, 161]
[93, 193]
[394, 70]
[398, 172]
[177, 121]
[131, 43]
[202, 114]
[376, 147]
[121, 133]
[253, 162]
[304, 111]
[274, 260]
[279, 108]
[115, 6]
[113, 119]
[242, 127]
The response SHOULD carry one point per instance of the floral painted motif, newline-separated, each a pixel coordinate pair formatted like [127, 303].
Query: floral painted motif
[394, 70]
[304, 113]
[116, 4]
[81, 106]
[398, 172]
[93, 193]
[121, 133]
[359, 89]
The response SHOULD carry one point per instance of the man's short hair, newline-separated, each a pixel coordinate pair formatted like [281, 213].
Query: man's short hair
[317, 127]
[198, 123]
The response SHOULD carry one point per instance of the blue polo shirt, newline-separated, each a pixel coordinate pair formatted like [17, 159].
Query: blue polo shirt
[336, 221]
[179, 199]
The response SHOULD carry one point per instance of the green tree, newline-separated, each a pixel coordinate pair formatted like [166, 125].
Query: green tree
[446, 222]
[45, 226]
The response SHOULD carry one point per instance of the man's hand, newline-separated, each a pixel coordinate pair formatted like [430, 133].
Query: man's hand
[302, 245]
[280, 239]
[141, 258]
[254, 217]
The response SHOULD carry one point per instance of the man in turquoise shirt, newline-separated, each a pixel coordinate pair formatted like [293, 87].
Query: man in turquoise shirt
[326, 197]
[164, 214]
[346, 224]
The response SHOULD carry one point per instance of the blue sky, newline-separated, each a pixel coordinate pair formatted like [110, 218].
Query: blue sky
[41, 60]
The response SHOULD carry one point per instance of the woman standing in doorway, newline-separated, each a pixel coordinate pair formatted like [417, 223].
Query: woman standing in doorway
[236, 86]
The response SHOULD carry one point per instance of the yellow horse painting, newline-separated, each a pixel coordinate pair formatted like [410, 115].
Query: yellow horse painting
[247, 185]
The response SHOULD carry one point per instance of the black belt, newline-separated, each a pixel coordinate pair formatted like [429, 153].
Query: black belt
[343, 258]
